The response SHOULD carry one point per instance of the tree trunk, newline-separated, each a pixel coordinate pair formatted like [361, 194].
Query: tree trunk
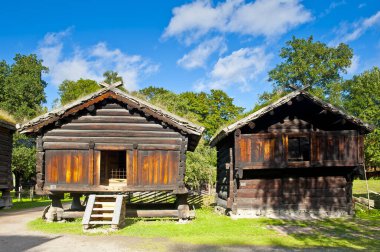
[17, 181]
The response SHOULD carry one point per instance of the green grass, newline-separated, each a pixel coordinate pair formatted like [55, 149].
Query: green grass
[361, 188]
[26, 203]
[210, 228]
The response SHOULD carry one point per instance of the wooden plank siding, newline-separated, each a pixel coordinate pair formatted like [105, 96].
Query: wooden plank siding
[152, 150]
[270, 150]
[6, 181]
[299, 193]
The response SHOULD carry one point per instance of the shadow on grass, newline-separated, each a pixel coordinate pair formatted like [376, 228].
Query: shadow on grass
[353, 233]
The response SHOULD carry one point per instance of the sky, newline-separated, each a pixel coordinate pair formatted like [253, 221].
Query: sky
[182, 45]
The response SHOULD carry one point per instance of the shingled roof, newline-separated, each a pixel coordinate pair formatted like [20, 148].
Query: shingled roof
[182, 125]
[241, 123]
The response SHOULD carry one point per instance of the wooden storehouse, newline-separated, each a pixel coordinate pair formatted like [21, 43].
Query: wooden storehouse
[6, 179]
[111, 142]
[296, 156]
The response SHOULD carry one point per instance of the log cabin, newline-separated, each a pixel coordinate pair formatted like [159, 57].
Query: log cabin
[295, 157]
[111, 142]
[6, 179]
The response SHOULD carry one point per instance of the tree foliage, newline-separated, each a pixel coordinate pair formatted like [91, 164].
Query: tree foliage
[212, 110]
[72, 90]
[362, 99]
[308, 62]
[22, 87]
[201, 166]
[112, 77]
[22, 94]
[23, 158]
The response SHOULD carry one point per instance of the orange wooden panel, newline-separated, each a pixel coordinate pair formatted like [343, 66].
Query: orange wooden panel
[67, 164]
[97, 167]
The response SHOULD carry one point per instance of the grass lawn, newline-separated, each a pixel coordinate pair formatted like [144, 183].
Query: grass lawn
[209, 228]
[27, 203]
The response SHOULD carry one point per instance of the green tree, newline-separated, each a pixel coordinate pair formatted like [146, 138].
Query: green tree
[212, 110]
[22, 87]
[23, 158]
[362, 99]
[72, 90]
[201, 166]
[312, 63]
[112, 77]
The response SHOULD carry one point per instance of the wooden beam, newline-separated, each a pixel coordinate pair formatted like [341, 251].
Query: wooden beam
[251, 125]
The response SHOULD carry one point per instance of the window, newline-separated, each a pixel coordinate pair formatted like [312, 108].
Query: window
[112, 166]
[298, 149]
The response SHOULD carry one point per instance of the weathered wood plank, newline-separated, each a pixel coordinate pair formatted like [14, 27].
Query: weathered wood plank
[111, 133]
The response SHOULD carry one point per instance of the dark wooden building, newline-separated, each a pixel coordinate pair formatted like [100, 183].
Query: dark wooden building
[296, 156]
[6, 179]
[111, 142]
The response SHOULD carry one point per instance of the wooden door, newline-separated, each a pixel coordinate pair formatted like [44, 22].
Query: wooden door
[153, 168]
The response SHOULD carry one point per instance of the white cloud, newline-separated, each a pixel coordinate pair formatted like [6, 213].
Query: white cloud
[238, 68]
[333, 5]
[198, 56]
[261, 18]
[350, 32]
[268, 18]
[90, 63]
[353, 69]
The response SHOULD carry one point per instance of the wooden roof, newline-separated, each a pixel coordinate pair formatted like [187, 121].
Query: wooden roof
[241, 123]
[185, 127]
[7, 125]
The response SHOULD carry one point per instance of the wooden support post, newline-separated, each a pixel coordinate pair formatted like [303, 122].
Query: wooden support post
[76, 204]
[231, 194]
[91, 163]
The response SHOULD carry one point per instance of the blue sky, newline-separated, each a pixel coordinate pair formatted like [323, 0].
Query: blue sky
[182, 45]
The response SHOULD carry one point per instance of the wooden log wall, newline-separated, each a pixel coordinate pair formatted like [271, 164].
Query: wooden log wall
[155, 153]
[225, 173]
[295, 193]
[6, 181]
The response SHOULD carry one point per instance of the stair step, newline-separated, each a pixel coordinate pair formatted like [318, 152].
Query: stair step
[103, 209]
[110, 215]
[106, 196]
[101, 222]
[105, 203]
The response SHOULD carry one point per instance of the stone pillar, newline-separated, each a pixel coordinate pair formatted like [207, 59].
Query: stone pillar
[76, 205]
[6, 200]
[55, 211]
[182, 206]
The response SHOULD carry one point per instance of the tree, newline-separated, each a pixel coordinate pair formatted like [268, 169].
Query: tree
[22, 87]
[23, 158]
[72, 90]
[362, 99]
[201, 166]
[112, 77]
[212, 110]
[312, 63]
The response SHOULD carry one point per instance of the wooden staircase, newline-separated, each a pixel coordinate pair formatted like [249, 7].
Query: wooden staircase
[104, 210]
